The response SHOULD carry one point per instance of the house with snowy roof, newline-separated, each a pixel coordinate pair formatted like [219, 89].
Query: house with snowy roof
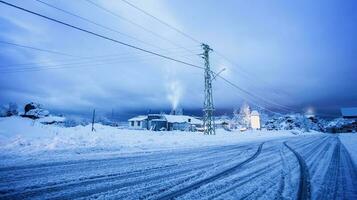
[138, 122]
[350, 112]
[142, 121]
[160, 122]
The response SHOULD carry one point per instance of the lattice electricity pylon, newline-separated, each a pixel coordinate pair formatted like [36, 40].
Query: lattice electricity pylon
[208, 120]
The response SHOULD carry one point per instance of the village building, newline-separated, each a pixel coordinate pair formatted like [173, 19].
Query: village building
[350, 112]
[138, 122]
[254, 120]
[222, 123]
[161, 122]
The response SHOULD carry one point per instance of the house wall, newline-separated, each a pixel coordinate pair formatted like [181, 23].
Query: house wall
[255, 122]
[180, 126]
[138, 124]
[158, 125]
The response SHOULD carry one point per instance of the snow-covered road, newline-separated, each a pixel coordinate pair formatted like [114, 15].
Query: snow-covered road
[306, 167]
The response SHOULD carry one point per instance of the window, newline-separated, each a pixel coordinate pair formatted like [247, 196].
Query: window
[138, 123]
[132, 123]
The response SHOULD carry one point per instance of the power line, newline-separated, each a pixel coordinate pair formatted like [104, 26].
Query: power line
[37, 49]
[99, 35]
[244, 71]
[38, 66]
[173, 28]
[74, 65]
[162, 22]
[190, 37]
[97, 24]
[244, 91]
[117, 41]
[249, 93]
[105, 27]
[92, 58]
[136, 24]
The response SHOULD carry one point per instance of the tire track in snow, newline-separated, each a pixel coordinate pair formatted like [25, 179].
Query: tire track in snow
[304, 191]
[330, 185]
[258, 174]
[285, 176]
[172, 177]
[120, 174]
[113, 181]
[211, 178]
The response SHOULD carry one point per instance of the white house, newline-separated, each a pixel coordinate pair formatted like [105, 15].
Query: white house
[254, 120]
[139, 122]
[158, 122]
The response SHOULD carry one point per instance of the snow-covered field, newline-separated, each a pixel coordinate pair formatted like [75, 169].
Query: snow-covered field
[24, 139]
[48, 161]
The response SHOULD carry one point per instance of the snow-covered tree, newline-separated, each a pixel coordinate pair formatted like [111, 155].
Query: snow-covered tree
[235, 119]
[241, 117]
[244, 114]
[305, 123]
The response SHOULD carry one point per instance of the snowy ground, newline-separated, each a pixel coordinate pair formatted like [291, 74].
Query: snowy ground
[48, 162]
[350, 142]
[23, 139]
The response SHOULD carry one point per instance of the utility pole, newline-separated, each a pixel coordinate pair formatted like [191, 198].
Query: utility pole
[208, 121]
[93, 129]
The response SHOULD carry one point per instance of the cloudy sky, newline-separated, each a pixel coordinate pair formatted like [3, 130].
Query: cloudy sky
[289, 55]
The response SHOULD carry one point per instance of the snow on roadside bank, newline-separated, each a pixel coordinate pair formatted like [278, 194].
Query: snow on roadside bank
[24, 137]
[349, 140]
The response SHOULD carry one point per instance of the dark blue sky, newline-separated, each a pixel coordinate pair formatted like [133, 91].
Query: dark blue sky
[300, 54]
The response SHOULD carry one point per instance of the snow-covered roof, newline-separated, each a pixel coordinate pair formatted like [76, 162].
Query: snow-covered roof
[254, 113]
[138, 118]
[182, 119]
[349, 112]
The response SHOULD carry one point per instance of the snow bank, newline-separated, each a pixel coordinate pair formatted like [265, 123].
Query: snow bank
[23, 137]
[349, 140]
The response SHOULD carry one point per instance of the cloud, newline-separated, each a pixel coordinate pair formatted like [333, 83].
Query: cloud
[285, 57]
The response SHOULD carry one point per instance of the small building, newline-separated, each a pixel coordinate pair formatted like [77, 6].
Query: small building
[161, 122]
[182, 122]
[139, 122]
[350, 112]
[222, 123]
[254, 120]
